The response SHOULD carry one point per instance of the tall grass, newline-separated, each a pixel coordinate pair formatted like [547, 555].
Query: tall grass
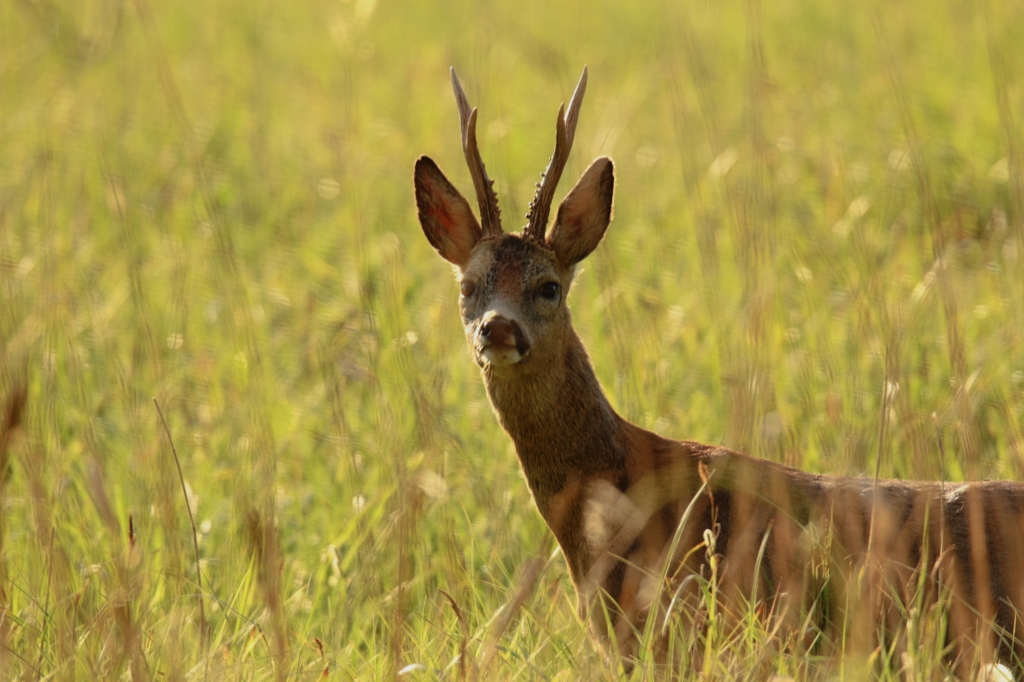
[820, 212]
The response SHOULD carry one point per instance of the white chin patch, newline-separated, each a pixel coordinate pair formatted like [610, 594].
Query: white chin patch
[501, 356]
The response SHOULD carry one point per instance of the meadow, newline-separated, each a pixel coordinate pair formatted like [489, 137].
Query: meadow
[206, 211]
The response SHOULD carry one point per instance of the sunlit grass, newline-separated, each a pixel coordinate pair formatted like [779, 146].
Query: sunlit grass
[211, 204]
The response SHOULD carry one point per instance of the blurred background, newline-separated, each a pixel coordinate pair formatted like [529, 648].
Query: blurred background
[819, 226]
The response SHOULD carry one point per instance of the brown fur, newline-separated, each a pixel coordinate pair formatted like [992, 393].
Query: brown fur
[615, 496]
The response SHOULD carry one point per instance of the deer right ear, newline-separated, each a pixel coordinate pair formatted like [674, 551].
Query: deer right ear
[445, 216]
[584, 214]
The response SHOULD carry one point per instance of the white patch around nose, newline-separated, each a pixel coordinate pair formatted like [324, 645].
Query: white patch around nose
[501, 356]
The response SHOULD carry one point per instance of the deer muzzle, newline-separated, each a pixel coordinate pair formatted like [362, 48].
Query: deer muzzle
[501, 341]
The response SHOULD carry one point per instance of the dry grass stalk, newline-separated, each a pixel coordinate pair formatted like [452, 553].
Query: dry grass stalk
[203, 626]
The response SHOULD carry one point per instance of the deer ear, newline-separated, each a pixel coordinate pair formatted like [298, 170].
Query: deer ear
[584, 214]
[445, 216]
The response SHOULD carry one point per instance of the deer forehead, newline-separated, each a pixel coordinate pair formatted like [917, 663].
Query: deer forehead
[506, 265]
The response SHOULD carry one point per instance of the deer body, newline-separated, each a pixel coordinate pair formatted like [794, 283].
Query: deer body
[635, 513]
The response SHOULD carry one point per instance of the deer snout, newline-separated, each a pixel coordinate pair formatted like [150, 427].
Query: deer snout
[501, 340]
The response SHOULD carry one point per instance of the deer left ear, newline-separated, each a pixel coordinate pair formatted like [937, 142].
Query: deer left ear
[445, 216]
[584, 214]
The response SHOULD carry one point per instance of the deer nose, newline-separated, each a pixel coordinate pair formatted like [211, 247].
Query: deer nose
[501, 331]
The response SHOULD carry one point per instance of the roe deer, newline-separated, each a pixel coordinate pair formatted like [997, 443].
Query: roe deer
[636, 513]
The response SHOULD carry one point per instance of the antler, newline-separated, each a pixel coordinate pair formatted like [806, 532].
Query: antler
[540, 207]
[490, 214]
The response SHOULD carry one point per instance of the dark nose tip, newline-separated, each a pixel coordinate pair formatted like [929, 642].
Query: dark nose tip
[501, 331]
[498, 330]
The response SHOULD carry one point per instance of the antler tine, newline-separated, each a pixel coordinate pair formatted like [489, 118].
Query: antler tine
[490, 214]
[565, 132]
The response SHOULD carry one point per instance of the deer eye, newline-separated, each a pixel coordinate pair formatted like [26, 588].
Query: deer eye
[549, 291]
[468, 288]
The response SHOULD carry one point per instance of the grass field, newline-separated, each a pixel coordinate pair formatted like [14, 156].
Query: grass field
[211, 204]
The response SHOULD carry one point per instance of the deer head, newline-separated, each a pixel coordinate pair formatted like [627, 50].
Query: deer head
[514, 286]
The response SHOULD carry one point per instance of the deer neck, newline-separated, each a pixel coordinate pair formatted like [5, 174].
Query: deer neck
[564, 429]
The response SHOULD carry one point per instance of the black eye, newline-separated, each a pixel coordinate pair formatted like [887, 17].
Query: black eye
[468, 288]
[549, 291]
